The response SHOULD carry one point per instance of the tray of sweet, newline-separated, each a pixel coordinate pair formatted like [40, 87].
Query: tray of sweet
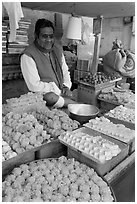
[103, 152]
[122, 115]
[65, 180]
[114, 130]
[110, 95]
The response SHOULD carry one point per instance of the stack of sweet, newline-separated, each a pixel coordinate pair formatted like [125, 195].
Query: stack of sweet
[24, 103]
[7, 152]
[28, 123]
[98, 78]
[125, 98]
[95, 146]
[23, 132]
[55, 121]
[122, 113]
[118, 131]
[55, 180]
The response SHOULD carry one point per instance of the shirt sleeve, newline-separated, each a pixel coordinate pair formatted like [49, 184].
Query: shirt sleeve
[32, 79]
[66, 73]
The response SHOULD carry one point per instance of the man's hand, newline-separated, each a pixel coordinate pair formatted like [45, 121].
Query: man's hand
[66, 92]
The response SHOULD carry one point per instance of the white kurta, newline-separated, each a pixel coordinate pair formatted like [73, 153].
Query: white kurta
[32, 78]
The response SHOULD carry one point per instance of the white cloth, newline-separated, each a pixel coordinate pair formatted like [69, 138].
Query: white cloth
[32, 78]
[60, 103]
[15, 13]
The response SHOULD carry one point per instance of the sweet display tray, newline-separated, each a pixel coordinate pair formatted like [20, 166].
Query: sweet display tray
[22, 158]
[115, 103]
[131, 143]
[51, 149]
[102, 85]
[110, 101]
[118, 121]
[57, 157]
[129, 125]
[101, 168]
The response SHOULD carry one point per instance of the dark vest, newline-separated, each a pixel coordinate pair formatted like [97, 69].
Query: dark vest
[49, 66]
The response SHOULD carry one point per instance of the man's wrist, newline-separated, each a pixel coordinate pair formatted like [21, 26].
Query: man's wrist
[60, 103]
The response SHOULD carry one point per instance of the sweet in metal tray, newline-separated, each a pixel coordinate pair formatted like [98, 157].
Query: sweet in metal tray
[109, 101]
[101, 85]
[130, 143]
[118, 121]
[101, 167]
[24, 157]
[98, 180]
[129, 125]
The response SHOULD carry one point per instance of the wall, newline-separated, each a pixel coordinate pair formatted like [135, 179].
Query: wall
[132, 44]
[112, 28]
[115, 28]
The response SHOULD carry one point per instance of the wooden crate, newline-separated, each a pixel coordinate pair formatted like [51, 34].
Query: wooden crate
[52, 149]
[101, 168]
[9, 165]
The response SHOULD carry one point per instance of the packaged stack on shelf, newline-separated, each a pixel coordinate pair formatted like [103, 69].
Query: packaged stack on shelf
[21, 38]
[12, 50]
[4, 36]
[82, 68]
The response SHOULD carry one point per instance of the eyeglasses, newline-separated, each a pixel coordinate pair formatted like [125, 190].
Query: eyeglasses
[46, 36]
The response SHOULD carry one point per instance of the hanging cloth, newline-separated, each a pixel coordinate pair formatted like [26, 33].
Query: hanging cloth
[15, 13]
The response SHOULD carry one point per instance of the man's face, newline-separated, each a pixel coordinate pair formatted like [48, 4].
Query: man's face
[46, 38]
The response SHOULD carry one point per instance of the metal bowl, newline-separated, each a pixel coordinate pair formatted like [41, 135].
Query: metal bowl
[82, 112]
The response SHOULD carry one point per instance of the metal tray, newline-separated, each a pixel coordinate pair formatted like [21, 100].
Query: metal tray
[102, 85]
[101, 168]
[109, 185]
[22, 158]
[118, 121]
[130, 143]
[110, 102]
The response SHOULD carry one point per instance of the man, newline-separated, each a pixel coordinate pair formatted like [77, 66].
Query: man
[44, 68]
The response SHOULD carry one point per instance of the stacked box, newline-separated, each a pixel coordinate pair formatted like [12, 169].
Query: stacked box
[83, 67]
[4, 36]
[21, 41]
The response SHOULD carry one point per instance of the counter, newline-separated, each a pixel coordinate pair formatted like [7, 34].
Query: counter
[121, 178]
